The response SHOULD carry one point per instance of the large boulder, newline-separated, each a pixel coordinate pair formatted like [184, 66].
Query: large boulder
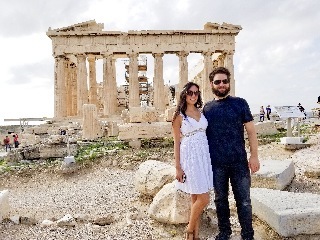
[170, 205]
[4, 204]
[152, 175]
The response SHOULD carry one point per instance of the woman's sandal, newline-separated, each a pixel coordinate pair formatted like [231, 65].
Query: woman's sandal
[188, 234]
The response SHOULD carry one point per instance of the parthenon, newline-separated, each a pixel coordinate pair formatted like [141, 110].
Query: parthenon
[78, 45]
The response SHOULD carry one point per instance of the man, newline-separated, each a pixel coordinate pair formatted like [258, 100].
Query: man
[6, 142]
[227, 117]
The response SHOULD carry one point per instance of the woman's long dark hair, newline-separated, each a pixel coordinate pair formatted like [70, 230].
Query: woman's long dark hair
[182, 104]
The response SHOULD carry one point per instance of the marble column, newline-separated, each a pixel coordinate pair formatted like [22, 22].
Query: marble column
[92, 80]
[183, 72]
[207, 94]
[134, 98]
[228, 63]
[110, 103]
[60, 100]
[82, 86]
[74, 89]
[158, 82]
[221, 59]
[68, 80]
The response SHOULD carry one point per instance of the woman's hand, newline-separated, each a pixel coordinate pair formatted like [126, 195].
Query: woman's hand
[179, 174]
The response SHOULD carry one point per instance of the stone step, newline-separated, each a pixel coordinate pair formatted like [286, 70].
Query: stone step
[274, 174]
[288, 213]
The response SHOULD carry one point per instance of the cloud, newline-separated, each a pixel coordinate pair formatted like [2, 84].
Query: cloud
[20, 18]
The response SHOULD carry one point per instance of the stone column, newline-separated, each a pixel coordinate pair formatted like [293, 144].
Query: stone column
[92, 80]
[158, 82]
[134, 98]
[220, 60]
[183, 72]
[82, 86]
[91, 129]
[60, 99]
[207, 94]
[74, 89]
[228, 63]
[109, 86]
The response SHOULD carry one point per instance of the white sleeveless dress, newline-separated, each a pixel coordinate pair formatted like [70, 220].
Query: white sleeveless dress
[195, 157]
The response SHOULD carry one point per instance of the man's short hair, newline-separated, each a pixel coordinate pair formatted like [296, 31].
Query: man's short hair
[218, 70]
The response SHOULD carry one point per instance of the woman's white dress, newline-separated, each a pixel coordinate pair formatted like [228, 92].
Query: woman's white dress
[195, 157]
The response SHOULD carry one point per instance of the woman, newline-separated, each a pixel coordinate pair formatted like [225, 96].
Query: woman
[191, 152]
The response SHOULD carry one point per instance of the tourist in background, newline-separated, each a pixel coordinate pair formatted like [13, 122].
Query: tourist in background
[261, 114]
[227, 117]
[6, 142]
[16, 140]
[191, 153]
[268, 110]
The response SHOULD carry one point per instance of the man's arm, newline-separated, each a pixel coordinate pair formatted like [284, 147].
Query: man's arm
[254, 163]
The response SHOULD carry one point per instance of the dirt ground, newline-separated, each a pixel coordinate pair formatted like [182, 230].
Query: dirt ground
[44, 177]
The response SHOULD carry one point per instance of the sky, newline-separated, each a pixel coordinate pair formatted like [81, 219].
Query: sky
[276, 61]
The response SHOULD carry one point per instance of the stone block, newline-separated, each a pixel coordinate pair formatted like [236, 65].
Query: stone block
[266, 128]
[288, 213]
[56, 151]
[169, 113]
[274, 174]
[142, 114]
[4, 204]
[144, 130]
[170, 205]
[152, 175]
[291, 140]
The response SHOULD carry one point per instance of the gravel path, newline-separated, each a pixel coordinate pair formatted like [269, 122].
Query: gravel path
[101, 191]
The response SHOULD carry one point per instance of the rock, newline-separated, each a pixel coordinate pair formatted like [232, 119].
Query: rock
[274, 174]
[67, 220]
[46, 223]
[102, 221]
[288, 213]
[4, 204]
[28, 221]
[170, 205]
[152, 176]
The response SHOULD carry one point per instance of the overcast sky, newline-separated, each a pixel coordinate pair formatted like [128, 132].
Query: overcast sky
[277, 58]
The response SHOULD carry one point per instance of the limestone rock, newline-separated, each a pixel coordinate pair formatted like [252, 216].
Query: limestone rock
[152, 175]
[274, 174]
[288, 213]
[144, 130]
[4, 204]
[170, 205]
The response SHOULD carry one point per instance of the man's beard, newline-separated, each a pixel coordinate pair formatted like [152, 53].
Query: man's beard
[221, 94]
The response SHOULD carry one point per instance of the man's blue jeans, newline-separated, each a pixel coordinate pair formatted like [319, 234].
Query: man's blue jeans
[240, 179]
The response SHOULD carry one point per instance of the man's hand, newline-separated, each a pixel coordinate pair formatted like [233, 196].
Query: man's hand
[254, 164]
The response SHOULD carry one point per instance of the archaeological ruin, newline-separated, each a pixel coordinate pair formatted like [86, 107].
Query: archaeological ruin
[79, 45]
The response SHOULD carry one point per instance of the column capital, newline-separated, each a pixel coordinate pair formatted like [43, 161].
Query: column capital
[207, 53]
[182, 54]
[133, 54]
[106, 54]
[157, 55]
[91, 58]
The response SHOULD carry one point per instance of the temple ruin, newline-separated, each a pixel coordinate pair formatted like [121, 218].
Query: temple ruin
[76, 49]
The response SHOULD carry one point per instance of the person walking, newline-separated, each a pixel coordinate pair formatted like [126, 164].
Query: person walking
[191, 152]
[261, 114]
[268, 109]
[6, 142]
[227, 117]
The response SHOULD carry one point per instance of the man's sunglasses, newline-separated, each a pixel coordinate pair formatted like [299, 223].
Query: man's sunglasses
[224, 81]
[190, 93]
